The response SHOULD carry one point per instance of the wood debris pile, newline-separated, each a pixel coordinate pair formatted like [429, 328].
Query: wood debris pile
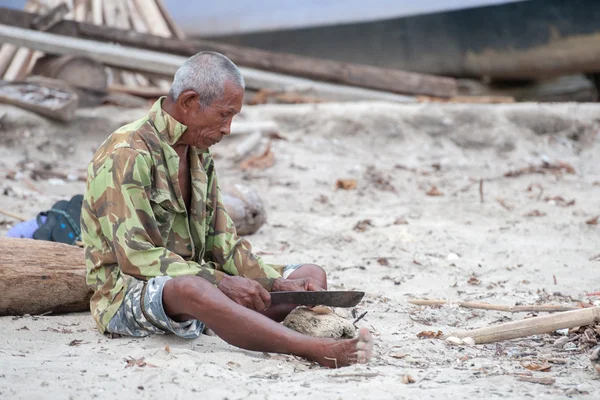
[134, 47]
[143, 16]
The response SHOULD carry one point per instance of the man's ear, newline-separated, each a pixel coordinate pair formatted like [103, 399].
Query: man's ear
[187, 101]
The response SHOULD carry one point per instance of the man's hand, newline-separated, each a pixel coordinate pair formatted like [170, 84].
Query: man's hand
[245, 292]
[296, 285]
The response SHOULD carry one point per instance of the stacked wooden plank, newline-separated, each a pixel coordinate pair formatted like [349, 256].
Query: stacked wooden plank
[144, 16]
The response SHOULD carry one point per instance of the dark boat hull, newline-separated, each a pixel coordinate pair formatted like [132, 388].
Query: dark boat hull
[469, 42]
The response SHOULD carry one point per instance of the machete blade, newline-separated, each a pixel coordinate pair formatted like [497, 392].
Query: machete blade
[322, 298]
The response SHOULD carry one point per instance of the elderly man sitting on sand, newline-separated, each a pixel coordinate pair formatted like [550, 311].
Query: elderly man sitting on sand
[163, 255]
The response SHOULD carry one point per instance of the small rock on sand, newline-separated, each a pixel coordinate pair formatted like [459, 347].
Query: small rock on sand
[310, 323]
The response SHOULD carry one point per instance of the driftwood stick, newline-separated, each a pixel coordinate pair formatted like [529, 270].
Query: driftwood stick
[532, 326]
[12, 215]
[495, 307]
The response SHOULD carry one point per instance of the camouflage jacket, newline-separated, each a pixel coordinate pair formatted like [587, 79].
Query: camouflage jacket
[134, 220]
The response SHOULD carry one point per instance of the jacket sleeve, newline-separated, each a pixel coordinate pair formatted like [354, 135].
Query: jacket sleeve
[129, 224]
[225, 248]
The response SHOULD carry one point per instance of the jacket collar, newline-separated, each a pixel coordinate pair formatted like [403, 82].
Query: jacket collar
[168, 127]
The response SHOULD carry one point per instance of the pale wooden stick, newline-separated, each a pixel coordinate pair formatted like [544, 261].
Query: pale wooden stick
[15, 216]
[153, 17]
[531, 326]
[21, 57]
[495, 307]
[97, 17]
[81, 12]
[136, 20]
[18, 64]
[7, 52]
[175, 30]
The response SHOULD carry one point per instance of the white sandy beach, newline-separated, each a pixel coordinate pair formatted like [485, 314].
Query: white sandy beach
[452, 246]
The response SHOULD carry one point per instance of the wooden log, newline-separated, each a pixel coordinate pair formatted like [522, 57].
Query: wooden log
[167, 64]
[389, 80]
[77, 71]
[38, 276]
[532, 326]
[54, 103]
[495, 307]
[85, 97]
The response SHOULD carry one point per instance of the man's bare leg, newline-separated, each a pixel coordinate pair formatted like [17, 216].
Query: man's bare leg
[190, 297]
[280, 311]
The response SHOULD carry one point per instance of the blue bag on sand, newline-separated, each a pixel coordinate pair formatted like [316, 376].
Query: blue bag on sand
[25, 230]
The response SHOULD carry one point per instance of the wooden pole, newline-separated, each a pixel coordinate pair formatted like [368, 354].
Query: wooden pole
[495, 307]
[167, 64]
[370, 77]
[532, 326]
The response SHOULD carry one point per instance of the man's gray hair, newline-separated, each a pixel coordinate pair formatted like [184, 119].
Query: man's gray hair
[206, 73]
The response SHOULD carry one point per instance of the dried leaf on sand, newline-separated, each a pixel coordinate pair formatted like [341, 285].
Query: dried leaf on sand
[593, 221]
[534, 366]
[400, 221]
[363, 225]
[535, 213]
[346, 184]
[434, 191]
[139, 362]
[429, 335]
[262, 161]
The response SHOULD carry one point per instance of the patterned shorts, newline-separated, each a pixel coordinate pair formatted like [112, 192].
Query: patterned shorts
[142, 312]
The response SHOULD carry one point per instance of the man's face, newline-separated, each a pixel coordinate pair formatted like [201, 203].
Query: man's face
[206, 125]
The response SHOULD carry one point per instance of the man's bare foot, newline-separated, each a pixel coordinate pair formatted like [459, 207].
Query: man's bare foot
[340, 353]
